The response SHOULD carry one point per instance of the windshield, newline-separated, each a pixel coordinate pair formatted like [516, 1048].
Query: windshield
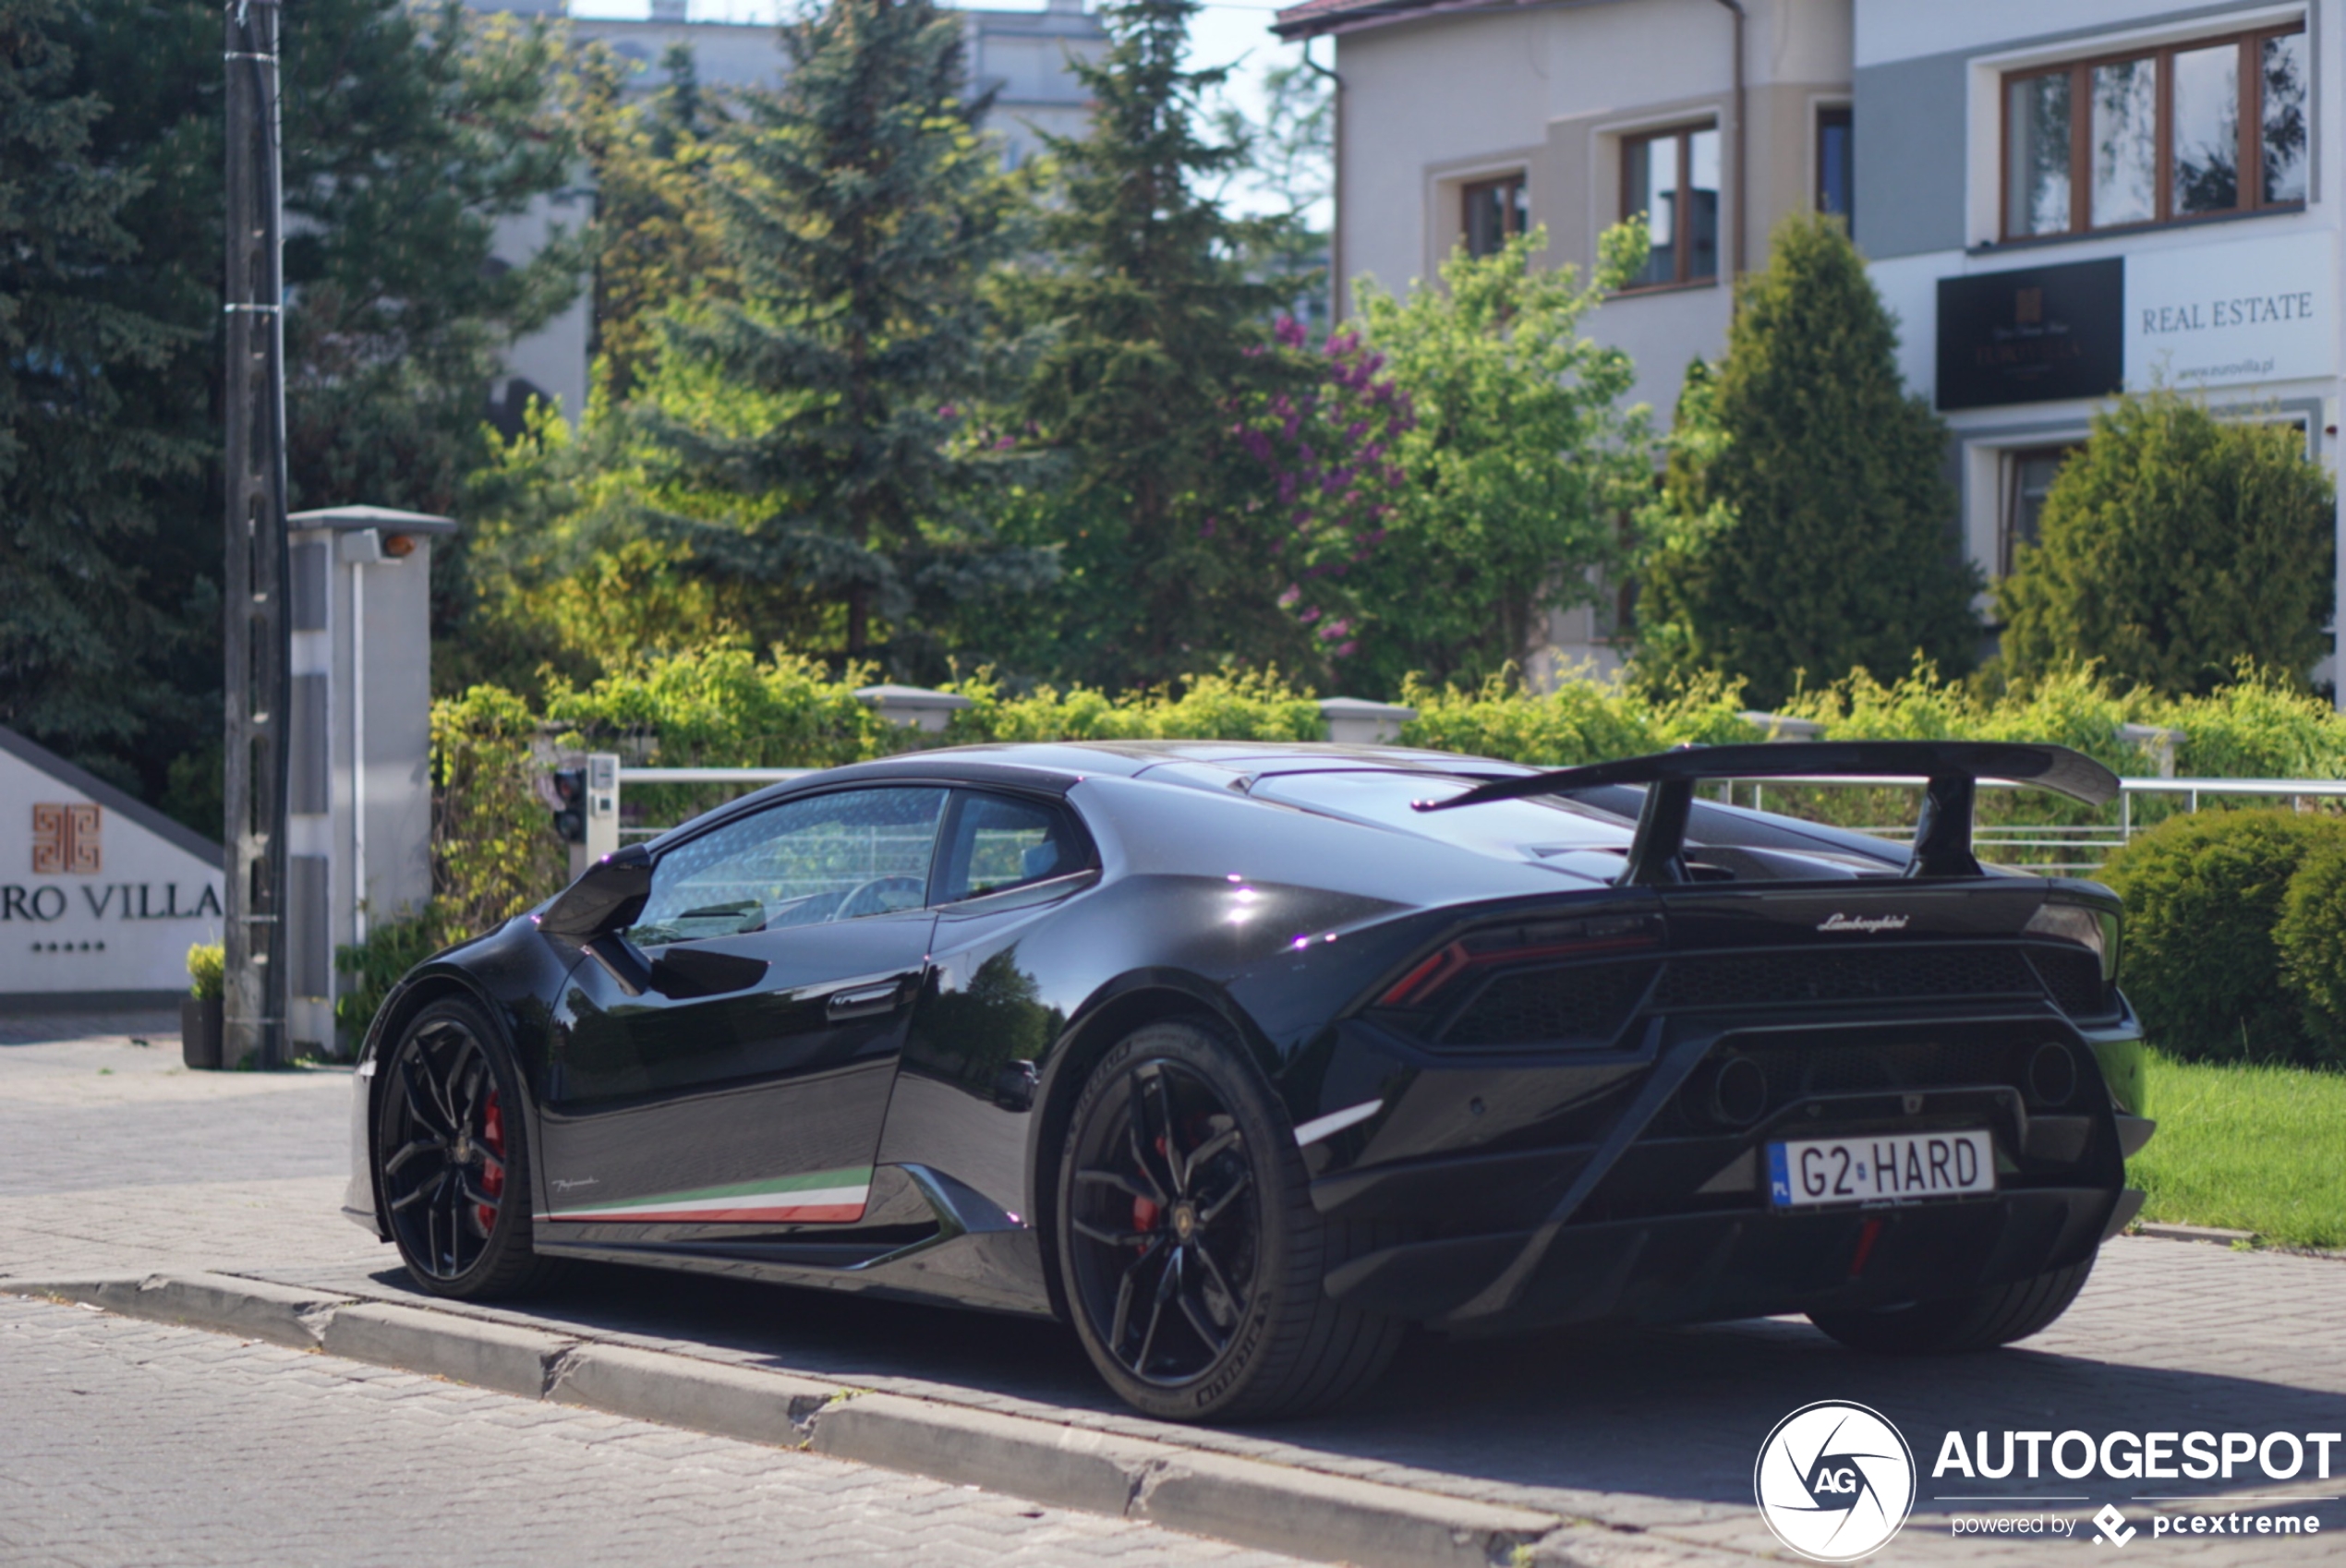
[1540, 829]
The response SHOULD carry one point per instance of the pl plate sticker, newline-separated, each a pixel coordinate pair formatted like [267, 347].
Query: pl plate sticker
[1834, 1481]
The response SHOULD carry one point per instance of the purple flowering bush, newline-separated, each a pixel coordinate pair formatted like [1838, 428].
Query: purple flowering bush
[1332, 481]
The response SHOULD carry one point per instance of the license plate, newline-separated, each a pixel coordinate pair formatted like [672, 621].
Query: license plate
[1886, 1167]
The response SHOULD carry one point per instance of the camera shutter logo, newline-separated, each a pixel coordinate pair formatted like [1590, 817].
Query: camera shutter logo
[1834, 1481]
[65, 841]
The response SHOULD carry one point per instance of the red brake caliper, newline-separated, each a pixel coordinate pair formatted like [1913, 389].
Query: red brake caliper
[492, 1170]
[1144, 1212]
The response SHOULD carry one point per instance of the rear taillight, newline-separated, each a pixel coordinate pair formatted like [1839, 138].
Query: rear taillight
[1520, 944]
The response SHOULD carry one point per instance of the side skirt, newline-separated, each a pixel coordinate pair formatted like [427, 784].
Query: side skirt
[977, 1256]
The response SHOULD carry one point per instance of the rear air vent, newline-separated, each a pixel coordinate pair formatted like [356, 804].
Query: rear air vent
[1584, 1004]
[2074, 979]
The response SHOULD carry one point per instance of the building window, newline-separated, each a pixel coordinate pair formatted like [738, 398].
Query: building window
[1836, 170]
[1496, 210]
[2211, 126]
[2028, 478]
[1672, 178]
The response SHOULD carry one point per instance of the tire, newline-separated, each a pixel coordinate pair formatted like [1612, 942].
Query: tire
[1194, 1262]
[452, 1157]
[1980, 1321]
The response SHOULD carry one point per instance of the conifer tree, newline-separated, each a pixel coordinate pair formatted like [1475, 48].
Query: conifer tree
[657, 243]
[2174, 546]
[1156, 334]
[1806, 529]
[858, 211]
[72, 528]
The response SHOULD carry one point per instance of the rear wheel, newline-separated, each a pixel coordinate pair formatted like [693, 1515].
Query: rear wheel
[1980, 1321]
[451, 1159]
[1189, 1248]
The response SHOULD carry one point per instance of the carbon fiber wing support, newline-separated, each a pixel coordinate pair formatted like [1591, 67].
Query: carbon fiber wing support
[1950, 770]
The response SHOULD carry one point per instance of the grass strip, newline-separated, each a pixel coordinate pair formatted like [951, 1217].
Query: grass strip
[2247, 1148]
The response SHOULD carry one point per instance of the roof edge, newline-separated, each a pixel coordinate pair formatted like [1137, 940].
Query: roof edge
[1329, 17]
[177, 834]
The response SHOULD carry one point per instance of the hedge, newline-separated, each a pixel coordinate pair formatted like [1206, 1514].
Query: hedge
[495, 853]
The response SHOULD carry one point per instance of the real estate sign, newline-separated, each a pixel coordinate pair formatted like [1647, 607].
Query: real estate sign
[2222, 315]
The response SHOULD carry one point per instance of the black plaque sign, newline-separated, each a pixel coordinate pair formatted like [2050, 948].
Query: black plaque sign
[2035, 335]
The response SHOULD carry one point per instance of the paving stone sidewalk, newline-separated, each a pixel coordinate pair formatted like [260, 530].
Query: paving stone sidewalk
[1652, 1433]
[125, 1441]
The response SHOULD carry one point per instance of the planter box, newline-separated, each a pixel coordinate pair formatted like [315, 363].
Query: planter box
[199, 1031]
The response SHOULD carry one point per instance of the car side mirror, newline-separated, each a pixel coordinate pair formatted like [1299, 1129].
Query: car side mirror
[607, 896]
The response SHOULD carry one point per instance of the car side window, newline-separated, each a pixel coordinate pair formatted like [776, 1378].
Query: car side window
[840, 856]
[1002, 842]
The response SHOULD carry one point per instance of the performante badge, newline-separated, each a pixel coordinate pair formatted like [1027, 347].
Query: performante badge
[1834, 1481]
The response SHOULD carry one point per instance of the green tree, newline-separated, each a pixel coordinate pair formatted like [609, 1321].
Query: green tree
[71, 528]
[860, 211]
[2173, 546]
[656, 237]
[407, 134]
[1804, 528]
[1518, 471]
[1156, 333]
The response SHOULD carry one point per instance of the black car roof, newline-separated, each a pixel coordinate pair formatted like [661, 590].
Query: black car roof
[1055, 765]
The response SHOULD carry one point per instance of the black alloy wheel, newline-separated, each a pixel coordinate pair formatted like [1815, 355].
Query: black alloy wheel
[449, 1157]
[1167, 1189]
[1189, 1248]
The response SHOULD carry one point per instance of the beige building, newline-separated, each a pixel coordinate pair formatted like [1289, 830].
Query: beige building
[1460, 124]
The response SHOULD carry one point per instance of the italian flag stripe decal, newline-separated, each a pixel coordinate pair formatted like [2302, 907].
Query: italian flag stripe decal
[817, 1197]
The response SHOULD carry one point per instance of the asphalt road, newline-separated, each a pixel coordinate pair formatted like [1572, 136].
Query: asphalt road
[1653, 1433]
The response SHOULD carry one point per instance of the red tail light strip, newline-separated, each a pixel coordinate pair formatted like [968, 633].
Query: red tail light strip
[1448, 964]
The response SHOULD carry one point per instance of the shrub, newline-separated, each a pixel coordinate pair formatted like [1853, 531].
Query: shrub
[1581, 722]
[392, 948]
[2174, 545]
[1210, 707]
[493, 850]
[207, 972]
[2203, 893]
[2312, 938]
[2263, 725]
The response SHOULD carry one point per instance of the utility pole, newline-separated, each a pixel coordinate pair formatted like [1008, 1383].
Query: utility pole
[257, 687]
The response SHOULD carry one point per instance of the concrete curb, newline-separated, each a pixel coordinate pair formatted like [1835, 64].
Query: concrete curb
[222, 1303]
[1249, 1502]
[414, 1339]
[676, 1391]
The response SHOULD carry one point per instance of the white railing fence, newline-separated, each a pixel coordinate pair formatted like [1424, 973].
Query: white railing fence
[2053, 849]
[2049, 848]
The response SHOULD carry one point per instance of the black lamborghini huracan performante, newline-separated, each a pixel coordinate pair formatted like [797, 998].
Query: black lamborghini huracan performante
[1241, 1057]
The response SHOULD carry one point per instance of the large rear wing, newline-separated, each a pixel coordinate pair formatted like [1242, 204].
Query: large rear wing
[1951, 771]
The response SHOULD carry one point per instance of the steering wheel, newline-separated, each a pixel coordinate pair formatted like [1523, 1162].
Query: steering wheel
[864, 898]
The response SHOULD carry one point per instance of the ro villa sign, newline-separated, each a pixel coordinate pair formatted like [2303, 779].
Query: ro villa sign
[102, 895]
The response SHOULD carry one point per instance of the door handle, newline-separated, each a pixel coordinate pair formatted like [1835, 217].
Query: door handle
[864, 1000]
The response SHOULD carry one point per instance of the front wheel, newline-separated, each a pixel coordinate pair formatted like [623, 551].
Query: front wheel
[1979, 1321]
[451, 1160]
[1191, 1253]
